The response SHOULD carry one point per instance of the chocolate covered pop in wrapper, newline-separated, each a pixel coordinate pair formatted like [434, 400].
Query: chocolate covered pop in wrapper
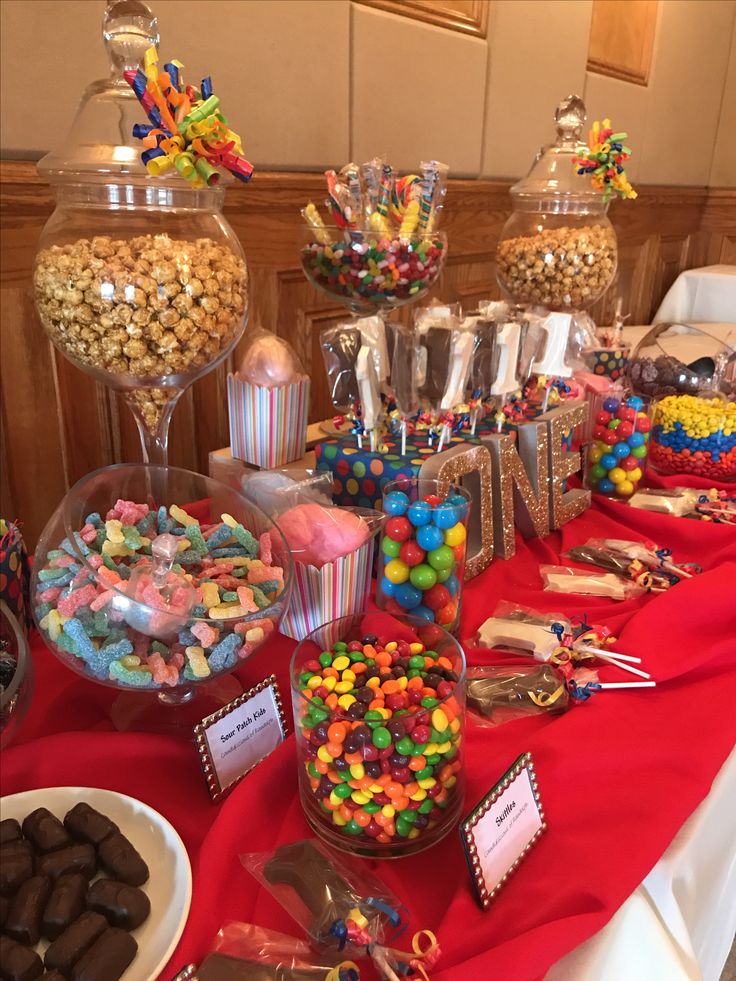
[504, 692]
[341, 909]
[245, 952]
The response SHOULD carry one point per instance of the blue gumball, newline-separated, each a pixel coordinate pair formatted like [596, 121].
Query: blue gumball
[460, 502]
[636, 439]
[621, 450]
[395, 503]
[419, 513]
[408, 596]
[608, 461]
[606, 486]
[452, 585]
[424, 613]
[611, 405]
[445, 515]
[430, 537]
[387, 587]
[634, 402]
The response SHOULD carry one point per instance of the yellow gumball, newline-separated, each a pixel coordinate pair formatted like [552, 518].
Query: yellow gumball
[625, 488]
[595, 454]
[455, 535]
[396, 571]
[617, 475]
[635, 475]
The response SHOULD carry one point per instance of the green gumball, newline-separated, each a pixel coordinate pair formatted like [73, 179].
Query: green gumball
[639, 452]
[423, 576]
[441, 558]
[597, 471]
[391, 548]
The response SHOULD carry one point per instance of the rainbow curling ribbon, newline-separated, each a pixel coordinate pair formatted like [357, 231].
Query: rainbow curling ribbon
[604, 161]
[187, 132]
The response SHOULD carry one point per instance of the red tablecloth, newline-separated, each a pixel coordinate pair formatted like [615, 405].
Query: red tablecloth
[618, 776]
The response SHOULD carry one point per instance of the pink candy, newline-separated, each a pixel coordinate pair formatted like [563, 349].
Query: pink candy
[264, 543]
[68, 605]
[163, 673]
[88, 533]
[102, 600]
[245, 596]
[50, 595]
[258, 574]
[206, 634]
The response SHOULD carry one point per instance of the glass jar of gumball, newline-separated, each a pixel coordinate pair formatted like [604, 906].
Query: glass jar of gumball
[619, 444]
[694, 434]
[379, 713]
[422, 553]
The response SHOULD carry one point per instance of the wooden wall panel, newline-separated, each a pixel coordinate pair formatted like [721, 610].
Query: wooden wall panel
[622, 39]
[466, 16]
[57, 424]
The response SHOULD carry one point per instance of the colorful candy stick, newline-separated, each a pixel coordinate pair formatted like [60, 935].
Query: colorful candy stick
[384, 195]
[313, 218]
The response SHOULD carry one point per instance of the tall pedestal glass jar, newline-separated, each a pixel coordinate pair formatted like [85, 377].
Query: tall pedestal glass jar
[138, 280]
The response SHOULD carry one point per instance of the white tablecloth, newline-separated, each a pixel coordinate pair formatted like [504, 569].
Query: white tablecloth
[707, 295]
[679, 924]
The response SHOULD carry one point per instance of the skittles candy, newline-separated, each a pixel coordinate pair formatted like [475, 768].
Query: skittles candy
[422, 546]
[618, 452]
[379, 731]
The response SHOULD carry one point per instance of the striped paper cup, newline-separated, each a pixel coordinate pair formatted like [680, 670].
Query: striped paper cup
[338, 589]
[268, 426]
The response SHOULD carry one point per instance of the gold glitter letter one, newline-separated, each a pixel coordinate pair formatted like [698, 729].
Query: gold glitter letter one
[563, 464]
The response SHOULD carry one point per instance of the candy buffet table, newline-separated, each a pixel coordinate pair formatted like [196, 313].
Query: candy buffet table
[619, 776]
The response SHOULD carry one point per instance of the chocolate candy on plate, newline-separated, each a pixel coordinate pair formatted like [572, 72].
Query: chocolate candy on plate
[89, 825]
[18, 963]
[108, 957]
[66, 950]
[24, 917]
[66, 903]
[45, 831]
[122, 905]
[75, 858]
[121, 861]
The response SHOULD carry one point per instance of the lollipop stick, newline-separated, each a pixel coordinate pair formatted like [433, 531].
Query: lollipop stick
[628, 684]
[403, 437]
[619, 657]
[624, 667]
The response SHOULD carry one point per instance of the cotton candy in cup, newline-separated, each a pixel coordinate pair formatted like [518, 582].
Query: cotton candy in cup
[269, 362]
[317, 534]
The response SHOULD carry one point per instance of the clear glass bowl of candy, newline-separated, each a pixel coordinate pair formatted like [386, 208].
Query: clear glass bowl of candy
[379, 717]
[158, 580]
[694, 434]
[369, 272]
[138, 280]
[558, 249]
[619, 444]
[422, 550]
[16, 675]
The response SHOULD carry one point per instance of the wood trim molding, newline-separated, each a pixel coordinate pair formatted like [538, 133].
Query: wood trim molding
[466, 16]
[621, 43]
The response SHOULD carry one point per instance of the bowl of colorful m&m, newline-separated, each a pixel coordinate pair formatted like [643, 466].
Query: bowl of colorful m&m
[694, 434]
[379, 710]
[156, 579]
[617, 454]
[422, 551]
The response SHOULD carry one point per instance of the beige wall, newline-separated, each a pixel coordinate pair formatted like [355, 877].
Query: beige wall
[313, 83]
[723, 171]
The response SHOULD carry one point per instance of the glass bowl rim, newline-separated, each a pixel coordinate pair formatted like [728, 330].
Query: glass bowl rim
[22, 659]
[272, 608]
[404, 620]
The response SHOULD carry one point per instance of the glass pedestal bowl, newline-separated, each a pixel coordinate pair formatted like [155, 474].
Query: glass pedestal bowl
[162, 597]
[16, 681]
[372, 273]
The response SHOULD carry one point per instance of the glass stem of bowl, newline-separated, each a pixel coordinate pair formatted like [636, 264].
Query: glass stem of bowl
[176, 697]
[154, 440]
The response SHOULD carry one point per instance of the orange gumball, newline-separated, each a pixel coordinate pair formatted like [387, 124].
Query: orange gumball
[446, 614]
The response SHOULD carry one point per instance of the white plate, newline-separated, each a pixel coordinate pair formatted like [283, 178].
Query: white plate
[170, 886]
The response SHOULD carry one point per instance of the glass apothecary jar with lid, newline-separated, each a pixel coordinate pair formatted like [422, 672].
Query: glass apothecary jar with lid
[138, 280]
[558, 249]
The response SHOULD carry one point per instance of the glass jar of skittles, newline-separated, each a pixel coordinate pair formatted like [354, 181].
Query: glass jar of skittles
[379, 717]
[422, 554]
[617, 453]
